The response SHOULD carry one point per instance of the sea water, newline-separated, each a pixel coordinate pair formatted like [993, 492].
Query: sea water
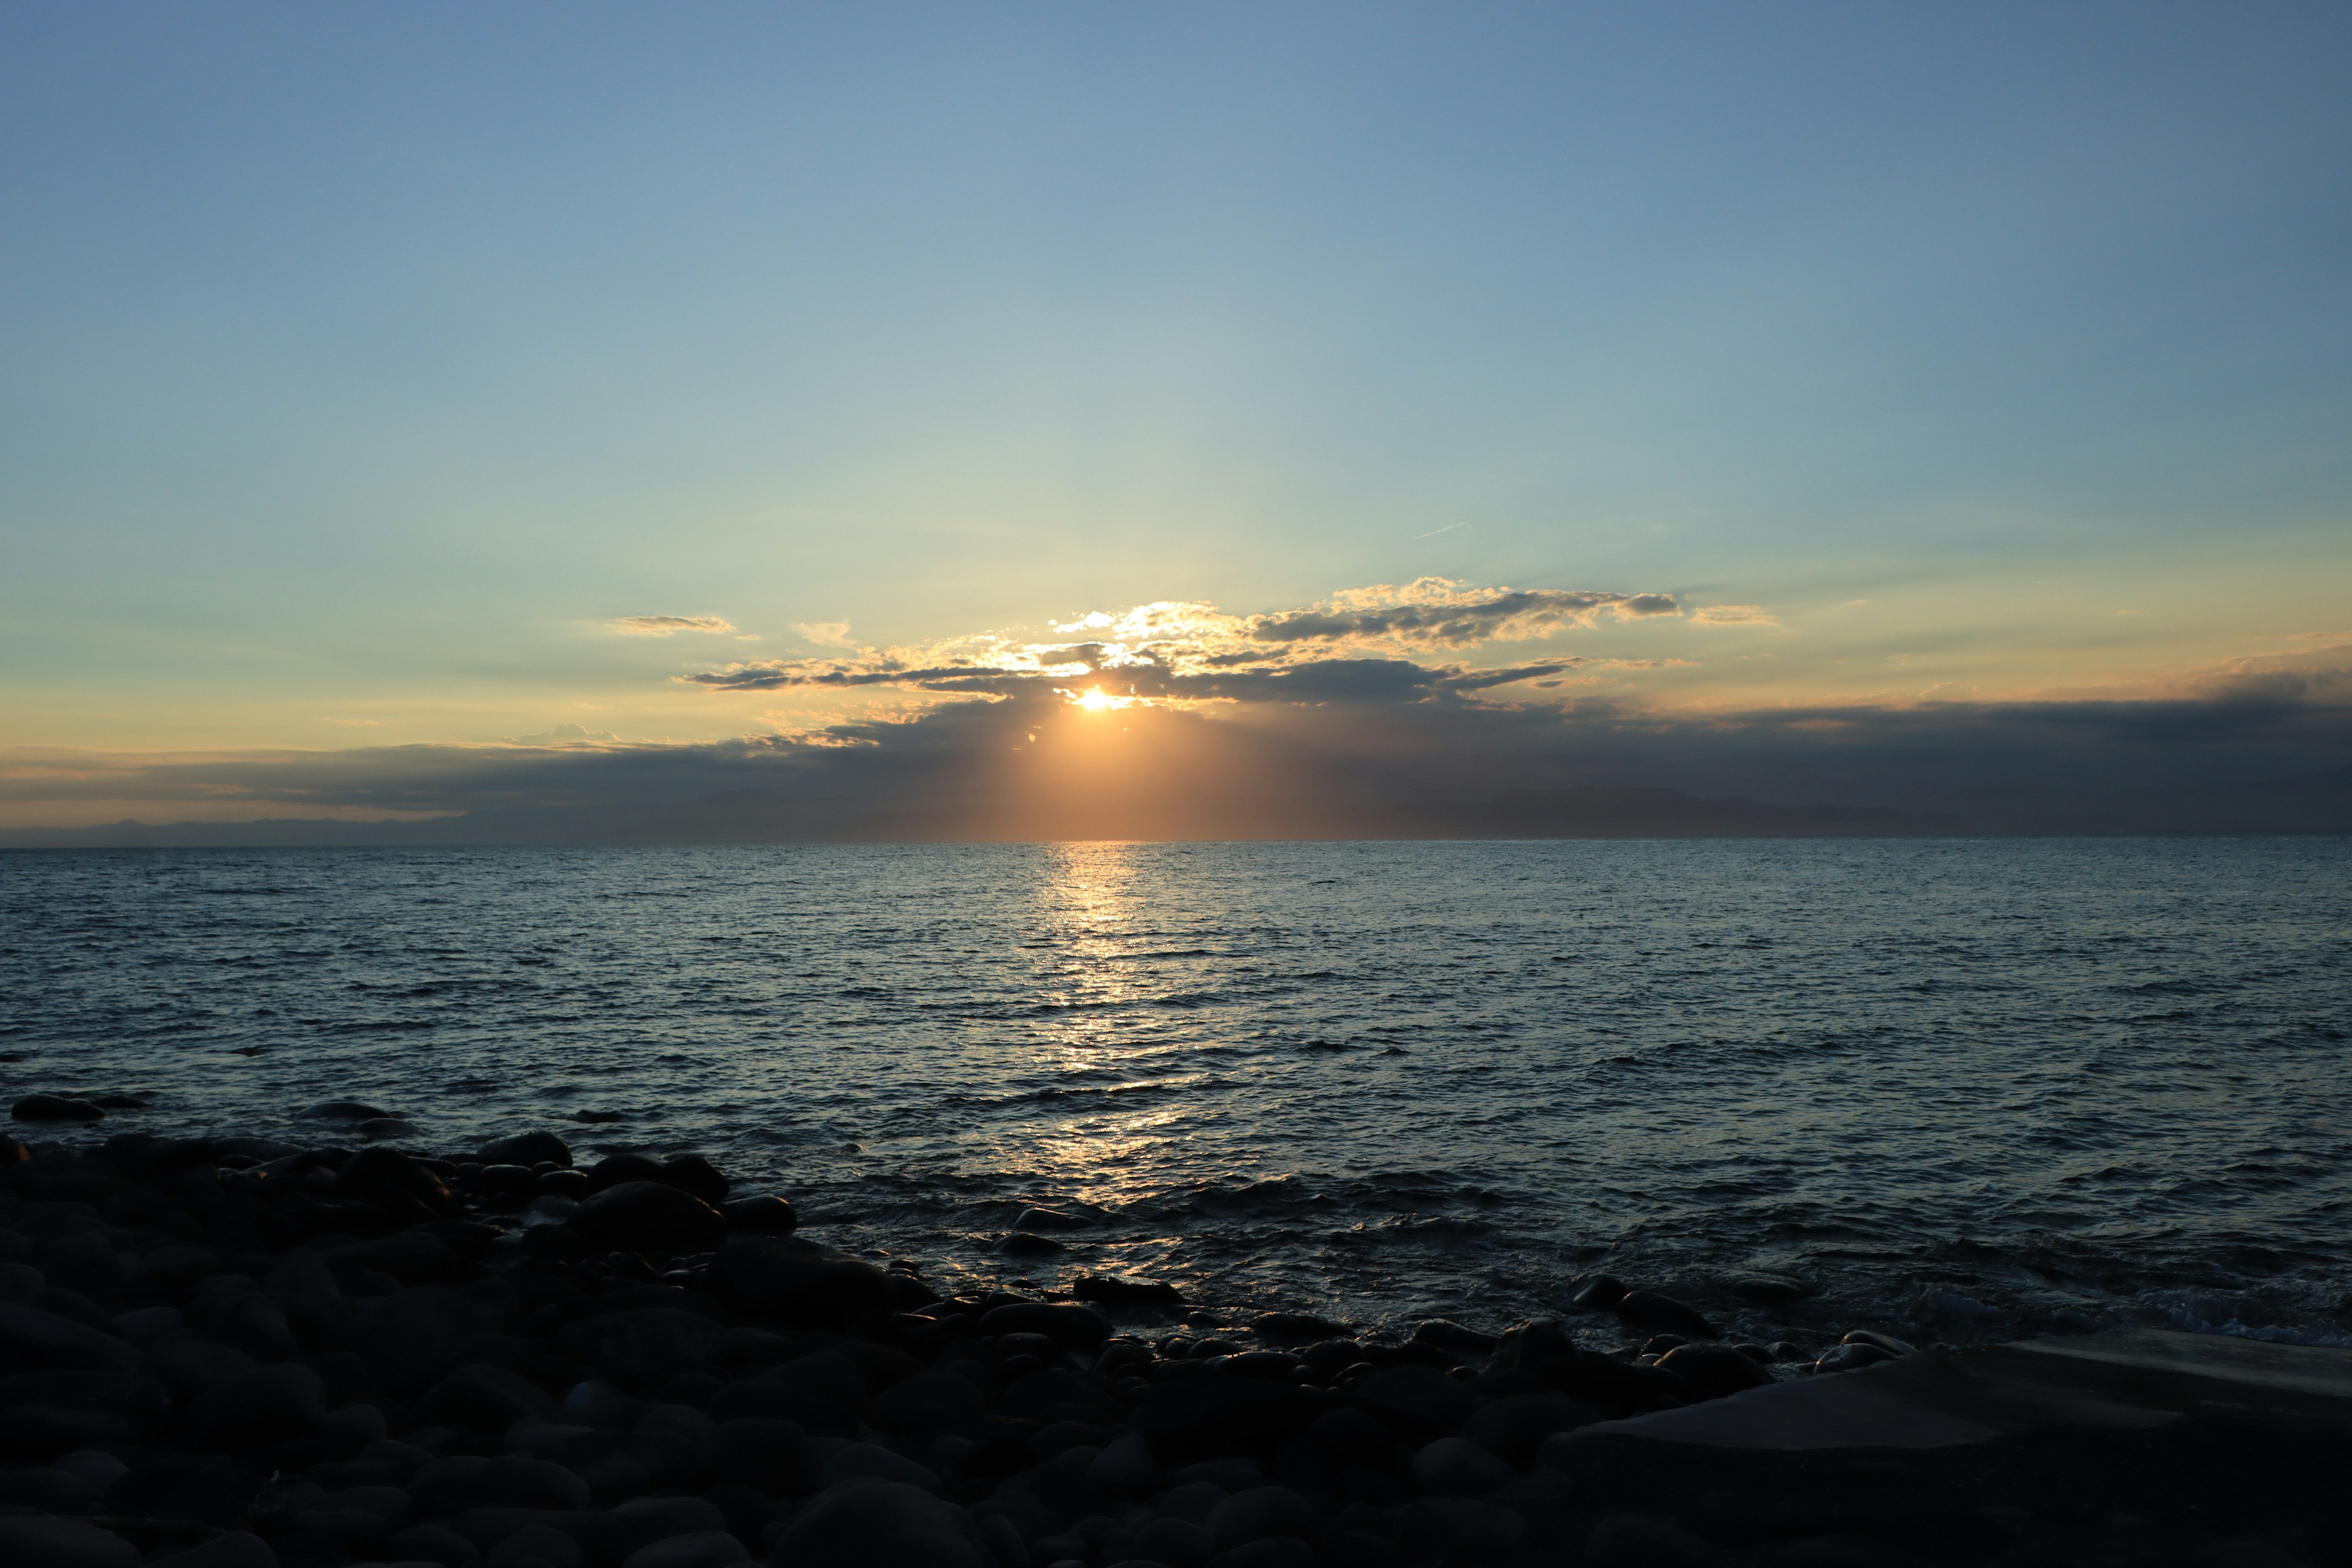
[1966, 1089]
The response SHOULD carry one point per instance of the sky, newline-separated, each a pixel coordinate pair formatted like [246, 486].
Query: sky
[1571, 393]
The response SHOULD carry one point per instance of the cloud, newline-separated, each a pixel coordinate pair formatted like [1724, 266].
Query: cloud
[667, 626]
[1362, 645]
[566, 736]
[1733, 615]
[825, 634]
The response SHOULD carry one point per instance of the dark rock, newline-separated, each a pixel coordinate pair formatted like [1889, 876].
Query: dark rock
[1851, 1356]
[615, 1169]
[1117, 1294]
[1051, 1219]
[1022, 1244]
[876, 1524]
[390, 1180]
[305, 1291]
[526, 1149]
[1077, 1328]
[1297, 1329]
[411, 1258]
[1886, 1342]
[34, 1341]
[1217, 1417]
[636, 1524]
[1271, 1552]
[763, 1451]
[54, 1107]
[341, 1111]
[647, 1217]
[231, 1549]
[702, 1549]
[572, 1185]
[435, 1543]
[516, 1481]
[1053, 1395]
[1643, 1541]
[871, 1461]
[485, 1398]
[804, 1285]
[538, 1543]
[1714, 1372]
[767, 1215]
[1257, 1513]
[266, 1405]
[596, 1118]
[1767, 1289]
[694, 1174]
[1597, 1294]
[1647, 1312]
[1512, 1429]
[1417, 1402]
[48, 1490]
[32, 1541]
[1453, 1339]
[641, 1345]
[380, 1128]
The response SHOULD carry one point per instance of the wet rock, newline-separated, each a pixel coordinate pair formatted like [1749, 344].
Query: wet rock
[874, 1524]
[647, 1217]
[1025, 1244]
[32, 1541]
[1599, 1294]
[1042, 1218]
[1081, 1328]
[341, 1111]
[803, 1284]
[615, 1169]
[526, 1149]
[703, 1549]
[1851, 1357]
[1647, 1312]
[267, 1404]
[1453, 1339]
[1297, 1329]
[1217, 1418]
[1644, 1541]
[1714, 1372]
[1454, 1466]
[383, 1129]
[766, 1216]
[1767, 1289]
[693, 1175]
[1127, 1294]
[1886, 1342]
[232, 1548]
[390, 1180]
[54, 1107]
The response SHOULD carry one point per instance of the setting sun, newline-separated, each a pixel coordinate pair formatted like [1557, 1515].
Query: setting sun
[1094, 700]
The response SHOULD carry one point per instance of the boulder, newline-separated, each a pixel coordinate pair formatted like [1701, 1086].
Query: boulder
[486, 1398]
[876, 1524]
[1257, 1513]
[1713, 1371]
[1416, 1403]
[1219, 1417]
[1075, 1328]
[645, 1344]
[1597, 1294]
[702, 1549]
[641, 1521]
[55, 1108]
[526, 1149]
[1455, 1467]
[694, 1174]
[1102, 1290]
[1647, 1312]
[766, 1216]
[34, 1341]
[803, 1284]
[535, 1543]
[649, 1218]
[615, 1169]
[35, 1540]
[1513, 1429]
[389, 1180]
[267, 1404]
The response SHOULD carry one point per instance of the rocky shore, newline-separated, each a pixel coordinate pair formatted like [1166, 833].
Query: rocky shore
[241, 1353]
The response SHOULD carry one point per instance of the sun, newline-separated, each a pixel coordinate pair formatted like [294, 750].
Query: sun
[1094, 700]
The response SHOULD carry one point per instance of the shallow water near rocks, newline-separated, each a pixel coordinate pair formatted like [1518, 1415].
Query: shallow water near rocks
[1960, 1090]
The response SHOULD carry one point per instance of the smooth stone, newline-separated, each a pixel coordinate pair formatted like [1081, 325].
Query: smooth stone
[871, 1461]
[802, 1285]
[1643, 1541]
[1597, 1294]
[389, 1180]
[1178, 1542]
[515, 1481]
[703, 1549]
[34, 1341]
[232, 1548]
[380, 1128]
[615, 1169]
[1051, 1219]
[694, 1175]
[647, 1217]
[1125, 1466]
[1767, 1289]
[876, 1524]
[1222, 1417]
[1026, 1243]
[267, 1404]
[1072, 1327]
[388, 1503]
[353, 1428]
[95, 1466]
[436, 1544]
[764, 1215]
[33, 1540]
[342, 1110]
[1455, 1467]
[1886, 1342]
[55, 1108]
[1297, 1328]
[526, 1149]
[1715, 1371]
[486, 1398]
[1851, 1356]
[1648, 1312]
[1419, 1403]
[1271, 1552]
[535, 1543]
[1102, 1290]
[1259, 1512]
[1513, 1429]
[1441, 1334]
[641, 1522]
[49, 1490]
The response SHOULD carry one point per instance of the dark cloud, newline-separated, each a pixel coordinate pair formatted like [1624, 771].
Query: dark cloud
[1461, 622]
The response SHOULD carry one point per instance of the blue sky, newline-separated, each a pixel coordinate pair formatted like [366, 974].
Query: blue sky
[361, 365]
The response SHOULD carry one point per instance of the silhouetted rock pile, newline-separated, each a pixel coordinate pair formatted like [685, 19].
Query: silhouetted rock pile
[233, 1353]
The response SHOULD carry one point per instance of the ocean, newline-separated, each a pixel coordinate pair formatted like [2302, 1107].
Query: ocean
[1961, 1090]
